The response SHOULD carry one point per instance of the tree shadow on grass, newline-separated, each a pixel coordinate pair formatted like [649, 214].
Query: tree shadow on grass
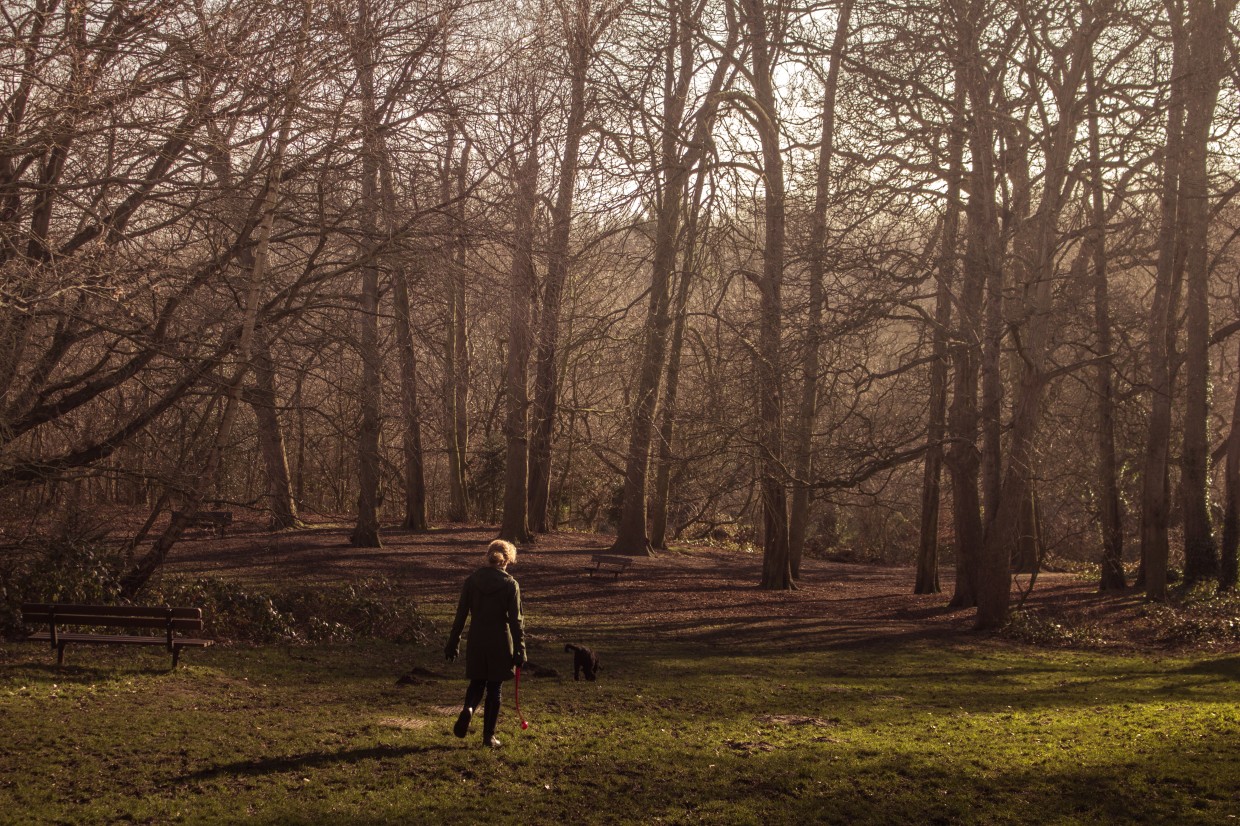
[308, 760]
[1154, 785]
[935, 676]
[1228, 667]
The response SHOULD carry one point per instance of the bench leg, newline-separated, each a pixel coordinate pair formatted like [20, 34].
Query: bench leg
[60, 654]
[176, 655]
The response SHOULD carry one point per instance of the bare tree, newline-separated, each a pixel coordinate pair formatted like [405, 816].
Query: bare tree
[456, 348]
[1231, 509]
[1035, 246]
[676, 159]
[963, 458]
[362, 47]
[521, 285]
[927, 581]
[776, 561]
[582, 25]
[1110, 511]
[807, 414]
[671, 389]
[1208, 39]
[263, 399]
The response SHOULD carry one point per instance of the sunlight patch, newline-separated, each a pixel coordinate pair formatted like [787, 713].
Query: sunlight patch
[407, 723]
[795, 720]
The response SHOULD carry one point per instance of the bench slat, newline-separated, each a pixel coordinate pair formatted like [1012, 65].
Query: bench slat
[120, 622]
[160, 623]
[118, 639]
[121, 639]
[66, 611]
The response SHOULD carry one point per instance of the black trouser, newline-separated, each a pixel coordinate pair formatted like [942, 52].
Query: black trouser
[490, 713]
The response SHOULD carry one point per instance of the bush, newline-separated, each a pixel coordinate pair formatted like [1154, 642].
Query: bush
[369, 608]
[326, 613]
[231, 610]
[1036, 629]
[58, 569]
[1196, 616]
[88, 570]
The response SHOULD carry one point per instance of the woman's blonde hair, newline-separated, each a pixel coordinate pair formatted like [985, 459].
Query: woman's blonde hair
[501, 553]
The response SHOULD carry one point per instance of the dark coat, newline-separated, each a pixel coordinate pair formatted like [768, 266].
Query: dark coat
[492, 599]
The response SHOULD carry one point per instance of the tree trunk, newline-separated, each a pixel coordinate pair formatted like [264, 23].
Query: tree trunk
[1027, 556]
[1231, 514]
[631, 536]
[1208, 28]
[1035, 261]
[927, 581]
[1155, 485]
[366, 531]
[262, 398]
[580, 47]
[776, 562]
[807, 414]
[456, 355]
[981, 262]
[515, 526]
[962, 457]
[990, 411]
[411, 433]
[1003, 531]
[1110, 514]
[667, 411]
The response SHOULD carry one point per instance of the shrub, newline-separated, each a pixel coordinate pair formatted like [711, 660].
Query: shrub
[324, 613]
[86, 569]
[1035, 628]
[58, 569]
[1196, 616]
[369, 608]
[231, 610]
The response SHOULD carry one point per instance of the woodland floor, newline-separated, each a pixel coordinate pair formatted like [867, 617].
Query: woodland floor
[692, 593]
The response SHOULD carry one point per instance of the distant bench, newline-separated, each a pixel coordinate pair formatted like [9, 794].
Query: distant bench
[172, 621]
[217, 521]
[602, 564]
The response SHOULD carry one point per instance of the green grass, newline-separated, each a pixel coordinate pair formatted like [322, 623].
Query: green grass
[672, 733]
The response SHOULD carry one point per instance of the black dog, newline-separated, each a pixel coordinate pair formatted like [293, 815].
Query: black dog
[584, 660]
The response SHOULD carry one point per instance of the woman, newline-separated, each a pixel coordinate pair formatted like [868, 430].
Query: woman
[496, 637]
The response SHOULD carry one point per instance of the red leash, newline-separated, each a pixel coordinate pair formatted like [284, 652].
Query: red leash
[516, 693]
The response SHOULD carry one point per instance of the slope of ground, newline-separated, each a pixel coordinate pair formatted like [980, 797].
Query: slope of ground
[701, 593]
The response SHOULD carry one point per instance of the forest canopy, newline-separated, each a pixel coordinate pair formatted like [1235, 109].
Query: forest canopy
[932, 282]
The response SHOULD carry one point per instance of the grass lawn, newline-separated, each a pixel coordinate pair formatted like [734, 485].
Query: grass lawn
[968, 731]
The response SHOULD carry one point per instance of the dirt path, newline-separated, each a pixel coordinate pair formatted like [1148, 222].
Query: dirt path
[703, 594]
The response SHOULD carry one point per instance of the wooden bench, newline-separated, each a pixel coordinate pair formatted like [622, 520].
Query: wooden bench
[603, 564]
[172, 621]
[216, 521]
